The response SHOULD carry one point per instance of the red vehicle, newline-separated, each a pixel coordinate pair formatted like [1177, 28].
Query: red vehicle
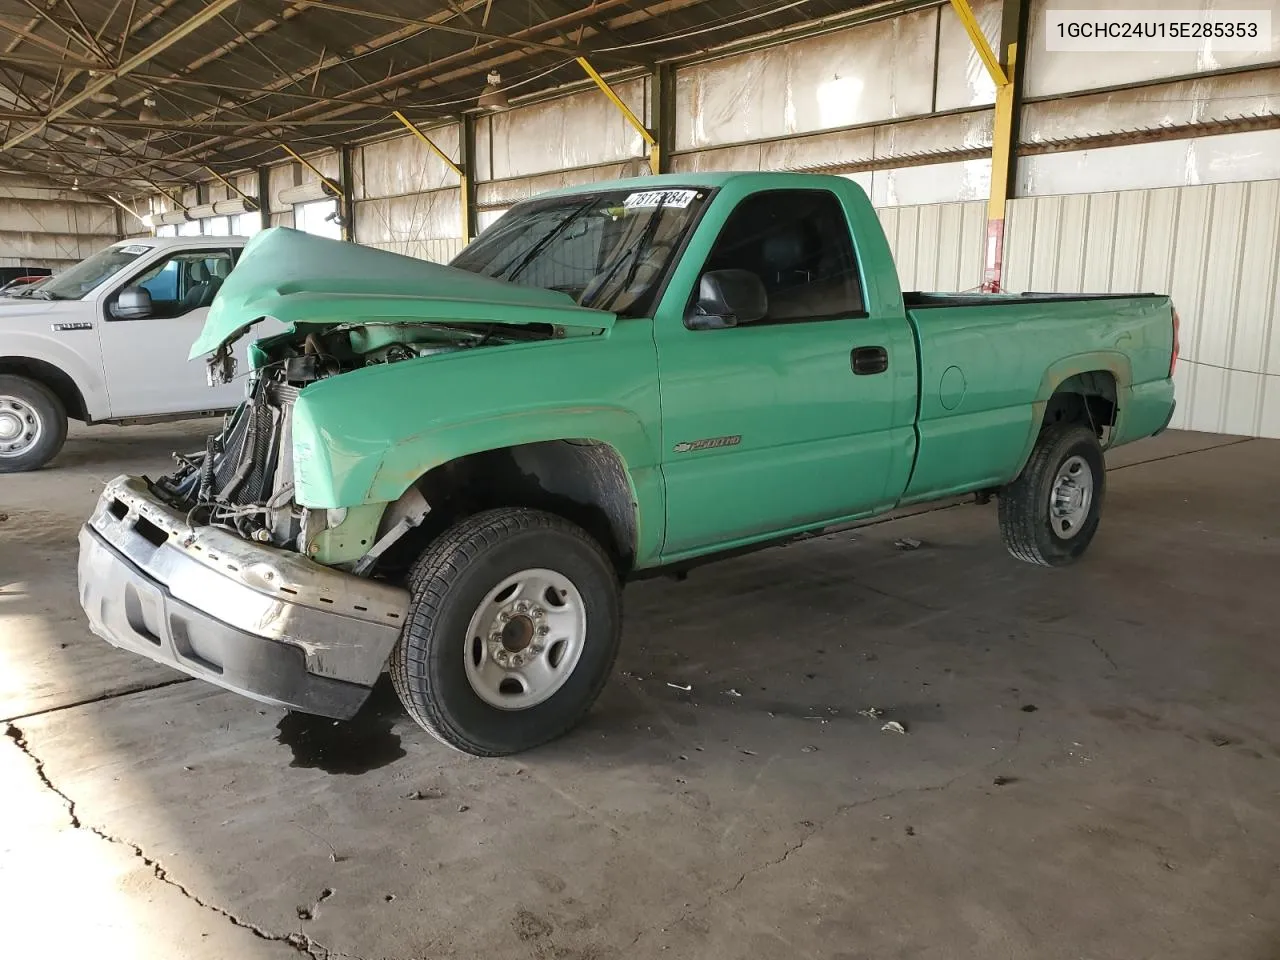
[19, 284]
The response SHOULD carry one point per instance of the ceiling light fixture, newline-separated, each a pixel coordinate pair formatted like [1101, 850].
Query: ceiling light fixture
[103, 96]
[94, 140]
[148, 112]
[491, 97]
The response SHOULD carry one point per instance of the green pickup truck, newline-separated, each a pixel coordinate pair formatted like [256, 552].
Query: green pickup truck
[451, 471]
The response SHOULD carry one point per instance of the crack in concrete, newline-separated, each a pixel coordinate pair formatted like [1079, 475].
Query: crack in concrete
[299, 941]
[1103, 650]
[100, 698]
[813, 831]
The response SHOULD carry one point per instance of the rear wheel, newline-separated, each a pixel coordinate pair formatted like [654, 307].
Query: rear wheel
[33, 424]
[1049, 515]
[512, 631]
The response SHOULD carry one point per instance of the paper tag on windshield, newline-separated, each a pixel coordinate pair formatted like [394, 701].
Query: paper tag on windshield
[135, 248]
[667, 198]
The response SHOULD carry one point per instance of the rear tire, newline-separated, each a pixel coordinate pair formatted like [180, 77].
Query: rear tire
[33, 424]
[513, 628]
[1049, 515]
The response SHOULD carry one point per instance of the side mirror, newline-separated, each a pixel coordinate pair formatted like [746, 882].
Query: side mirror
[727, 298]
[133, 303]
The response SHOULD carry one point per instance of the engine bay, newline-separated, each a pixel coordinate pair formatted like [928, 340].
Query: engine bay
[243, 480]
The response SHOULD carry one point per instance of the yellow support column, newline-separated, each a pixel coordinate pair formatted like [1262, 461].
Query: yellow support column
[997, 204]
[655, 153]
[1001, 143]
[463, 185]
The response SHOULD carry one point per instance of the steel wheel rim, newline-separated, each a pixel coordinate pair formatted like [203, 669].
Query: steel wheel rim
[1071, 498]
[20, 426]
[525, 639]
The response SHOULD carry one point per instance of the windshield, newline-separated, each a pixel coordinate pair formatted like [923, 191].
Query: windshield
[87, 275]
[609, 250]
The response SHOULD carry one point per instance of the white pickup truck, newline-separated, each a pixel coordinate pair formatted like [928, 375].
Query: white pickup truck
[106, 341]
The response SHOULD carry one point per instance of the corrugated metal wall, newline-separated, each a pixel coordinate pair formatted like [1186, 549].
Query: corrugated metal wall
[1213, 248]
[45, 227]
[937, 246]
[407, 199]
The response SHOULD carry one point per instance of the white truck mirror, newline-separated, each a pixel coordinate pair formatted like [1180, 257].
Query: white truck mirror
[133, 304]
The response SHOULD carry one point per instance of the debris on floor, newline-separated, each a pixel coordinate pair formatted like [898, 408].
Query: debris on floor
[893, 726]
[687, 688]
[1004, 781]
[908, 543]
[731, 692]
[424, 795]
[871, 713]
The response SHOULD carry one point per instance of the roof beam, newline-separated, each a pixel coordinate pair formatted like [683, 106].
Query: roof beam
[35, 60]
[171, 126]
[189, 26]
[67, 31]
[469, 32]
[397, 80]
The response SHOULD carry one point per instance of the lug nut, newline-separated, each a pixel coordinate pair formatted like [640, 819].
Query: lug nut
[543, 630]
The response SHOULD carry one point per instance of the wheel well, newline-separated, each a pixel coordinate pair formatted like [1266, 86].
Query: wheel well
[581, 480]
[62, 385]
[1086, 398]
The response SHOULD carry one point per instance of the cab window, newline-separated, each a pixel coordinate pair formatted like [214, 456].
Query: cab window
[798, 243]
[183, 282]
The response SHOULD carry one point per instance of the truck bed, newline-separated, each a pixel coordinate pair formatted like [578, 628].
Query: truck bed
[922, 300]
[988, 364]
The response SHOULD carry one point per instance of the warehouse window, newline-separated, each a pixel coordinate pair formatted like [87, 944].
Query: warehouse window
[247, 224]
[797, 242]
[319, 217]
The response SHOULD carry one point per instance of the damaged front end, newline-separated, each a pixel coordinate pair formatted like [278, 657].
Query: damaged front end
[244, 479]
[213, 569]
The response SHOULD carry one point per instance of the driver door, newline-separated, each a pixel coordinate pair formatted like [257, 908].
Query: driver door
[145, 358]
[795, 418]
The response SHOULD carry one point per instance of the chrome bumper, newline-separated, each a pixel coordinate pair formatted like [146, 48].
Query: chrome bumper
[264, 622]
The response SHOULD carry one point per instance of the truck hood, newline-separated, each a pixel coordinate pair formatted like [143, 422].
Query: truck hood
[296, 278]
[20, 307]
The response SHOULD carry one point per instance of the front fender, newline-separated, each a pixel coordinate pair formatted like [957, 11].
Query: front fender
[83, 366]
[366, 436]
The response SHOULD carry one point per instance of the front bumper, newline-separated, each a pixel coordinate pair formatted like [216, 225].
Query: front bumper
[264, 622]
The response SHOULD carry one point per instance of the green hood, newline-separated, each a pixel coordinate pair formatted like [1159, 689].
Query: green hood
[295, 278]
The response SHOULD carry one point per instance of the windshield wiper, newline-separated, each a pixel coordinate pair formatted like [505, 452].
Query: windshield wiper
[634, 251]
[510, 272]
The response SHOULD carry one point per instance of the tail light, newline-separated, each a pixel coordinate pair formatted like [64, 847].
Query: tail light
[1177, 345]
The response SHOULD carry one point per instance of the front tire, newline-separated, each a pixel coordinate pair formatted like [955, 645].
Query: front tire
[513, 628]
[1049, 515]
[33, 424]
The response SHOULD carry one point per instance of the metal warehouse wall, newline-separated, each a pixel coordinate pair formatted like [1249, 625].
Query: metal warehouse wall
[407, 199]
[42, 226]
[937, 246]
[886, 94]
[1213, 248]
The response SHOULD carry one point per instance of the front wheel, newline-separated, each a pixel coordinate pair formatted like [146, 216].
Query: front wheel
[1049, 515]
[513, 628]
[33, 424]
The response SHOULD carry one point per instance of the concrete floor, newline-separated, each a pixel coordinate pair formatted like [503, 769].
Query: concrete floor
[1091, 769]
